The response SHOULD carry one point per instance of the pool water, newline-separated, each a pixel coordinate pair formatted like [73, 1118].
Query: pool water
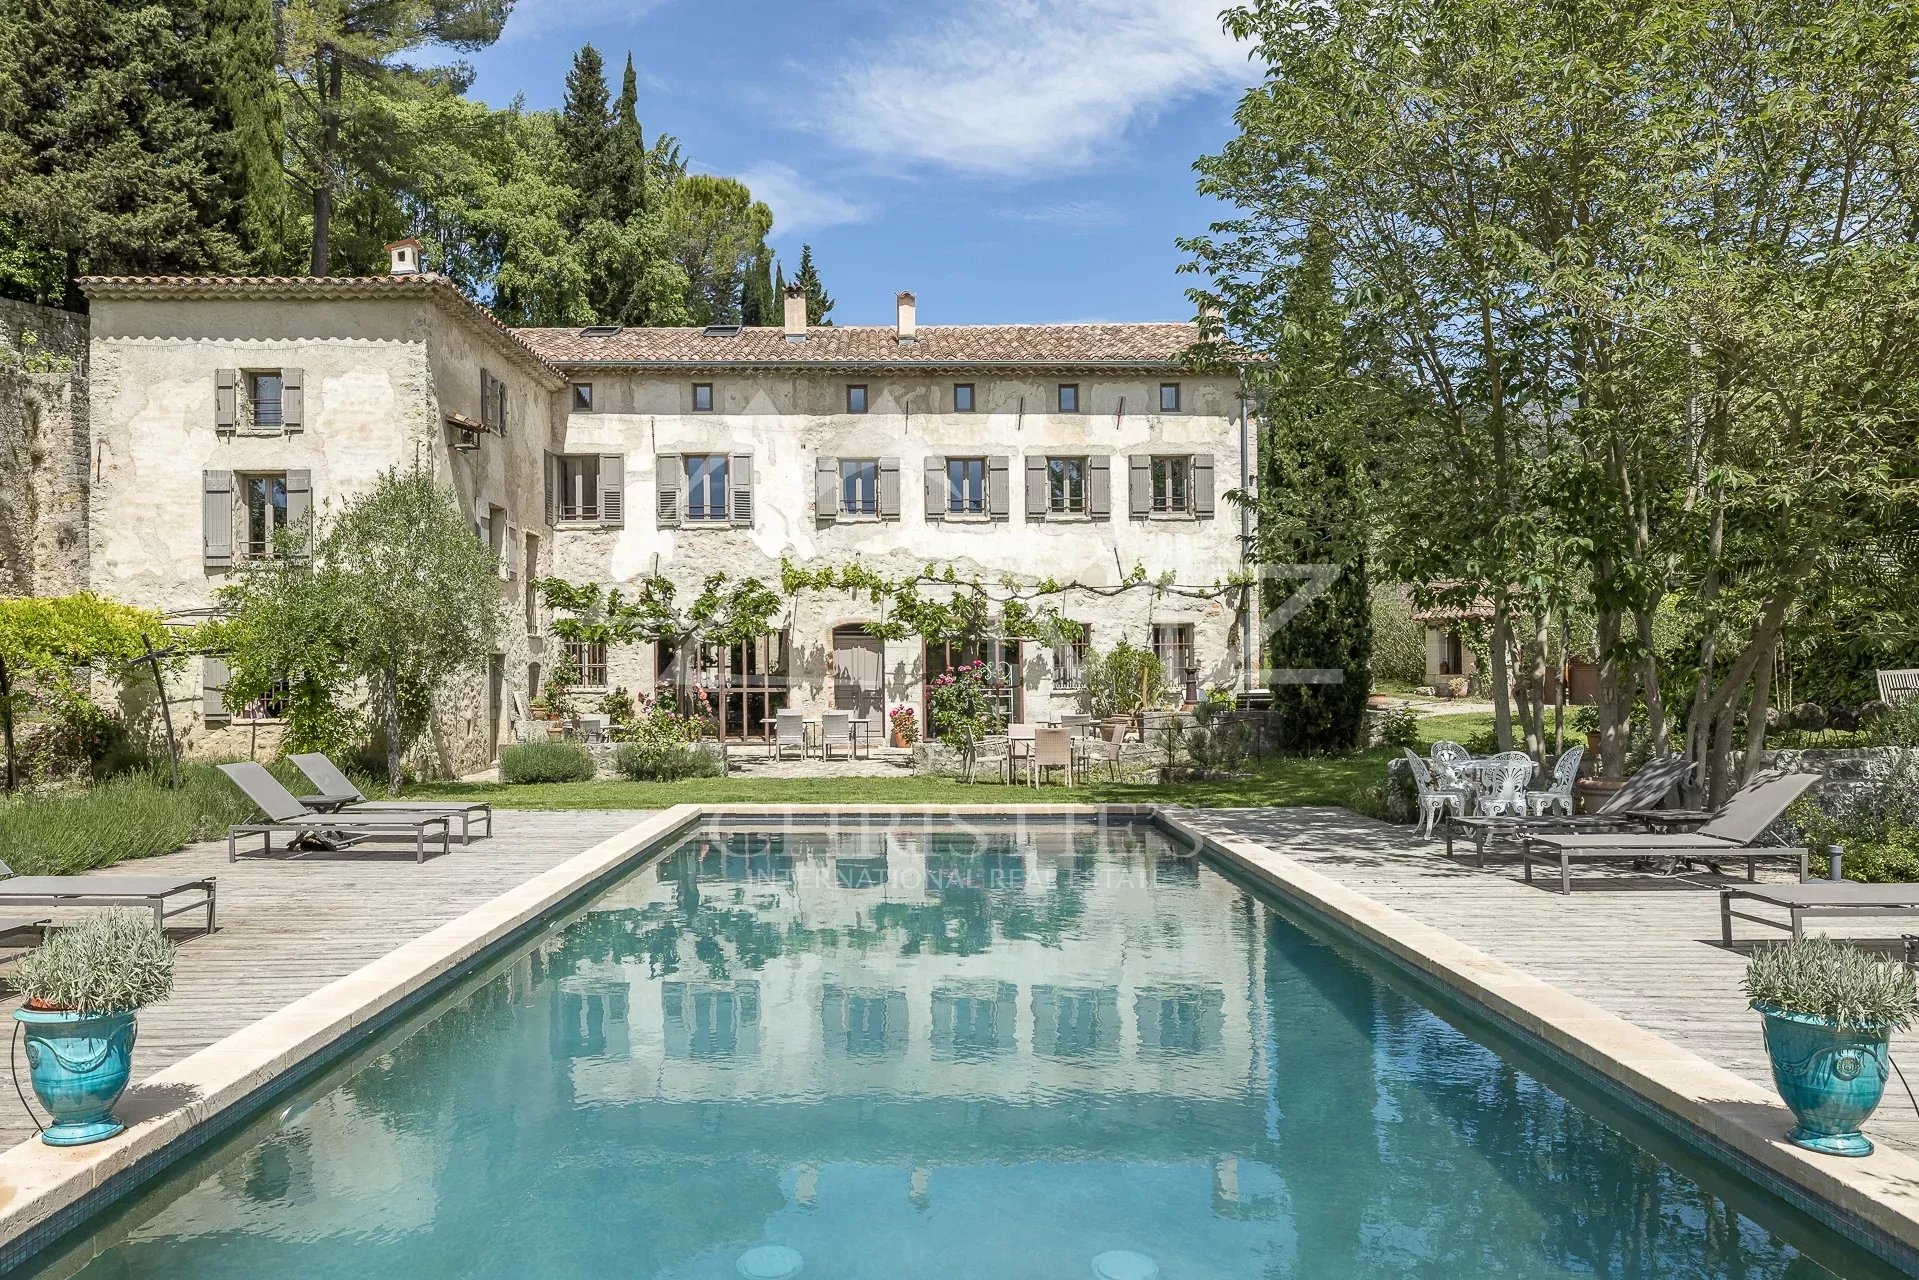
[979, 1050]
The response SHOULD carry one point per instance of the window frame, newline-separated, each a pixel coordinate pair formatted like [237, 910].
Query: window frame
[586, 468]
[1059, 398]
[582, 403]
[250, 381]
[589, 659]
[715, 464]
[1063, 471]
[245, 547]
[972, 398]
[1070, 657]
[1162, 472]
[1178, 395]
[861, 473]
[865, 398]
[707, 387]
[956, 502]
[270, 707]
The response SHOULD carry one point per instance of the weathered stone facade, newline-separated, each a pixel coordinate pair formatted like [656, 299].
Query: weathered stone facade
[43, 450]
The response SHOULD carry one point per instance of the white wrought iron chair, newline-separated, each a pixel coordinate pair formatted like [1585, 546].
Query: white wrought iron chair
[1447, 757]
[1560, 794]
[1499, 784]
[1433, 800]
[1897, 686]
[789, 730]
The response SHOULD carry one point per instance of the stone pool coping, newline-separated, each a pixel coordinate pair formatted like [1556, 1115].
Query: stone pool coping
[1879, 1192]
[45, 1191]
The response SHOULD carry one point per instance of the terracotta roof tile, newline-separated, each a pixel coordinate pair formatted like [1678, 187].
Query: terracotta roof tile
[947, 346]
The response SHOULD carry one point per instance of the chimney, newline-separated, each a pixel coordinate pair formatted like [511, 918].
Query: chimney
[796, 313]
[907, 328]
[405, 256]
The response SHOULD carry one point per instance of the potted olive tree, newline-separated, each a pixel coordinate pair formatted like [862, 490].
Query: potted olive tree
[82, 990]
[1829, 1012]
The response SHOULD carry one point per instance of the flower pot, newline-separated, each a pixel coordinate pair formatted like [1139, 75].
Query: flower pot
[80, 1064]
[1589, 794]
[1832, 1077]
[901, 740]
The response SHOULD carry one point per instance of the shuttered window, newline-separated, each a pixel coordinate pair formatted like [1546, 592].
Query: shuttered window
[859, 486]
[706, 487]
[966, 486]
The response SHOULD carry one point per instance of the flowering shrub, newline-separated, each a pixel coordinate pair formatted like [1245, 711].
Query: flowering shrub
[906, 724]
[962, 707]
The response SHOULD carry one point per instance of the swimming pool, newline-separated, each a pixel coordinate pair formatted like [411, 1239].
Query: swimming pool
[944, 1049]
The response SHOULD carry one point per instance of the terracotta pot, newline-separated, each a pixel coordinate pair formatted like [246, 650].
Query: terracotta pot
[899, 740]
[1590, 793]
[1592, 742]
[1380, 702]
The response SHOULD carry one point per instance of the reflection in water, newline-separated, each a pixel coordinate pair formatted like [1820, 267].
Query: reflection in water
[902, 1052]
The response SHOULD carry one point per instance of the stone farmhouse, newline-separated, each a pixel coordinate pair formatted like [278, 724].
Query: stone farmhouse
[224, 408]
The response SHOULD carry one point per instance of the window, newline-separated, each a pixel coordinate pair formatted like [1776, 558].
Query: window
[265, 393]
[1069, 397]
[589, 662]
[1172, 487]
[1173, 646]
[1169, 397]
[1066, 484]
[859, 487]
[966, 486]
[1069, 660]
[580, 487]
[962, 397]
[582, 397]
[270, 705]
[702, 397]
[855, 398]
[706, 486]
[264, 510]
[499, 406]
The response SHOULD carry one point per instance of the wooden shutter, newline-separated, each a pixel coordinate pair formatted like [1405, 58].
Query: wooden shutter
[226, 399]
[213, 690]
[216, 518]
[1139, 487]
[510, 554]
[889, 488]
[739, 488]
[293, 399]
[486, 397]
[826, 488]
[1035, 488]
[936, 488]
[998, 501]
[1099, 487]
[552, 490]
[613, 489]
[668, 477]
[1202, 484]
[300, 511]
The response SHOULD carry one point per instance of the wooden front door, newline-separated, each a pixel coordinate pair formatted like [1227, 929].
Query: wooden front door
[859, 676]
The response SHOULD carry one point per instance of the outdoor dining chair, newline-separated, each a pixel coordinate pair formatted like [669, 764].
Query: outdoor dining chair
[1560, 794]
[1052, 749]
[1434, 801]
[1019, 747]
[836, 730]
[1499, 783]
[789, 732]
[1447, 758]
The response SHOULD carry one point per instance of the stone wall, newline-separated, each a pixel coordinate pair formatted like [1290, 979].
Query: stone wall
[43, 450]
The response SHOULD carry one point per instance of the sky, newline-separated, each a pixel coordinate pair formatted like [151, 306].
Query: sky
[1006, 160]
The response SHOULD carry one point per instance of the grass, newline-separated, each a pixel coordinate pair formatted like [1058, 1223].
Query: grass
[133, 816]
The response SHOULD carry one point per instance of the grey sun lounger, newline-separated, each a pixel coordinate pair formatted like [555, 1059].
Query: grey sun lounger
[1728, 836]
[153, 893]
[1831, 899]
[1646, 789]
[334, 784]
[284, 813]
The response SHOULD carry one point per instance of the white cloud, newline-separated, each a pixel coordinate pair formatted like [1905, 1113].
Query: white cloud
[1069, 213]
[1007, 85]
[797, 204]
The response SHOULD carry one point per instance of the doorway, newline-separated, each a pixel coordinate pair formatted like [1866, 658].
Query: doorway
[859, 675]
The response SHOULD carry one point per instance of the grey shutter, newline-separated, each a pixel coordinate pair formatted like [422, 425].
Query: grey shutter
[998, 502]
[936, 488]
[667, 475]
[226, 399]
[1139, 487]
[1202, 484]
[213, 690]
[1035, 488]
[216, 518]
[293, 399]
[613, 488]
[889, 488]
[1099, 488]
[486, 397]
[300, 511]
[739, 488]
[510, 554]
[552, 490]
[826, 488]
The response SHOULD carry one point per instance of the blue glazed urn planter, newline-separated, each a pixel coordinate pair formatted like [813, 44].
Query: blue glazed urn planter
[80, 1064]
[1832, 1077]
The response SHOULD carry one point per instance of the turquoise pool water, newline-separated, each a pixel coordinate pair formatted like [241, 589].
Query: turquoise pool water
[985, 1051]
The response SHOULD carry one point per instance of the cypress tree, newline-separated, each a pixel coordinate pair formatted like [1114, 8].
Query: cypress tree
[759, 304]
[819, 303]
[1311, 506]
[249, 119]
[586, 137]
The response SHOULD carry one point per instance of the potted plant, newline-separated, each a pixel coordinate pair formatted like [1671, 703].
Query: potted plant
[1829, 1011]
[906, 725]
[82, 990]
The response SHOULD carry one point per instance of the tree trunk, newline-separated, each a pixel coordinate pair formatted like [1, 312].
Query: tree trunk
[1649, 679]
[1498, 660]
[1615, 698]
[1559, 692]
[6, 726]
[1756, 713]
[328, 162]
[394, 778]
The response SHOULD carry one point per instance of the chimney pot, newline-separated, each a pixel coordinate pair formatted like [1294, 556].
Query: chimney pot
[795, 313]
[404, 256]
[907, 327]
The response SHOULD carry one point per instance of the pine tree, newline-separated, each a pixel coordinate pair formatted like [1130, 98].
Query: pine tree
[1311, 505]
[819, 304]
[759, 304]
[586, 136]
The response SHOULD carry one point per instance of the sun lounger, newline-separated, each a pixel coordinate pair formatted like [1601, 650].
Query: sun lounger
[1728, 836]
[1830, 899]
[19, 924]
[155, 893]
[284, 813]
[341, 796]
[1646, 789]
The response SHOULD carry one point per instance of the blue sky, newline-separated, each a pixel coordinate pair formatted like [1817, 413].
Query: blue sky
[1007, 160]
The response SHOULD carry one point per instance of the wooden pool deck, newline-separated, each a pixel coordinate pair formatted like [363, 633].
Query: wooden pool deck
[1644, 948]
